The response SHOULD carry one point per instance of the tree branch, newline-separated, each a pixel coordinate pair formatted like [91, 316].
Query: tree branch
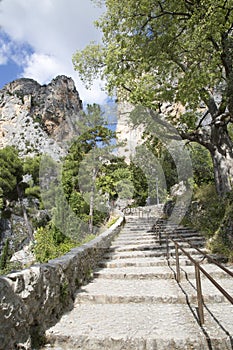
[202, 119]
[173, 13]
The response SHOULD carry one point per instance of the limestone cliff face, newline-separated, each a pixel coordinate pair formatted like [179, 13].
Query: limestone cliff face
[129, 136]
[132, 136]
[39, 118]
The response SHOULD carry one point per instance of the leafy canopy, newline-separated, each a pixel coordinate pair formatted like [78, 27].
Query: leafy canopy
[156, 51]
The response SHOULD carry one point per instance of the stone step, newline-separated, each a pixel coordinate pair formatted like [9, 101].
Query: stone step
[138, 326]
[146, 261]
[135, 303]
[141, 240]
[148, 291]
[131, 291]
[135, 240]
[146, 250]
[145, 253]
[149, 244]
[148, 272]
[138, 235]
[155, 272]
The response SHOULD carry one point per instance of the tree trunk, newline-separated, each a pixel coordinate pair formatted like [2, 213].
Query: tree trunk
[91, 210]
[221, 150]
[92, 200]
[25, 216]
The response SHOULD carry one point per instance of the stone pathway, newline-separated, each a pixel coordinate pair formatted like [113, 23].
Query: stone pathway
[134, 301]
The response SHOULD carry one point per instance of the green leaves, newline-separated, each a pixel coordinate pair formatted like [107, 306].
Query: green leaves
[11, 171]
[89, 62]
[160, 51]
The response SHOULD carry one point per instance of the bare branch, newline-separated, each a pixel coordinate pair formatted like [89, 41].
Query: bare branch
[202, 119]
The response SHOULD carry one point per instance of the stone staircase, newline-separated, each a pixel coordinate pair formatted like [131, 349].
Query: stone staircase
[134, 302]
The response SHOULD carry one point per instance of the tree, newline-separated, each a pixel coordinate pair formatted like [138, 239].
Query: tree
[202, 166]
[116, 179]
[177, 52]
[11, 172]
[31, 166]
[86, 156]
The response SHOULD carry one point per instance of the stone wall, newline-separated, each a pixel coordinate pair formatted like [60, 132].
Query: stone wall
[34, 299]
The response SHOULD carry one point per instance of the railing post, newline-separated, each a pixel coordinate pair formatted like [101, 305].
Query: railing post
[160, 236]
[177, 264]
[167, 246]
[199, 294]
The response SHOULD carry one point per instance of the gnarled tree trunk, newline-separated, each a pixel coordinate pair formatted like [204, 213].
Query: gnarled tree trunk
[221, 150]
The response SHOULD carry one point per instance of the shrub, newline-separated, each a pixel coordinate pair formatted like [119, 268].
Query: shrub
[51, 243]
[207, 210]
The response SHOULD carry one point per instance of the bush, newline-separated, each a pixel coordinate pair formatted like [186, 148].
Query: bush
[50, 243]
[207, 210]
[112, 221]
[222, 242]
[213, 217]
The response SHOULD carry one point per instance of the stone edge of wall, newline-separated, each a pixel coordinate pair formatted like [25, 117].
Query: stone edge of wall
[34, 299]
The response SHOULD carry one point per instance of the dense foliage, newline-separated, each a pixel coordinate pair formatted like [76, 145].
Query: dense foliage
[172, 52]
[11, 172]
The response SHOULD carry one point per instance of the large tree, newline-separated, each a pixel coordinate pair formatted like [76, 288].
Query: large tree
[177, 52]
[82, 165]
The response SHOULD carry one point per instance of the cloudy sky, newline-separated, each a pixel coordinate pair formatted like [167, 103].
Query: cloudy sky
[38, 39]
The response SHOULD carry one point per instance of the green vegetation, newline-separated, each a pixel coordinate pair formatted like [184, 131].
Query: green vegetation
[207, 210]
[82, 167]
[50, 243]
[182, 55]
[112, 221]
[213, 217]
[4, 256]
[11, 172]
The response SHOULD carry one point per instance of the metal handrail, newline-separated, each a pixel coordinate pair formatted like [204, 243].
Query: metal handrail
[206, 255]
[198, 268]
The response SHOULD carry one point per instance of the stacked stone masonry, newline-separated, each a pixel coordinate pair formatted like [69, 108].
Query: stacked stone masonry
[33, 299]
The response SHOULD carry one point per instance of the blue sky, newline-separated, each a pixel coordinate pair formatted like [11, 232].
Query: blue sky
[38, 39]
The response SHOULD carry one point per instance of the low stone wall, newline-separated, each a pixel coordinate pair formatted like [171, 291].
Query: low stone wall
[34, 299]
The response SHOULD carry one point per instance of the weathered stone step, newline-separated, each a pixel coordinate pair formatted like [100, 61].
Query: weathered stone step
[136, 326]
[146, 291]
[136, 304]
[145, 253]
[155, 272]
[149, 244]
[139, 235]
[185, 234]
[139, 240]
[153, 250]
[131, 291]
[144, 272]
[144, 261]
[135, 236]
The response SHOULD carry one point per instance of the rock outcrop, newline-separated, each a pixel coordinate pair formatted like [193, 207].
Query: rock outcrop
[36, 119]
[39, 119]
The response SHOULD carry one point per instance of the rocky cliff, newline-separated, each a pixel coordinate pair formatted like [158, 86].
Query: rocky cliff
[39, 119]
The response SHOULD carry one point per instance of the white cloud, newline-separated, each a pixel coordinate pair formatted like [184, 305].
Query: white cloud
[41, 67]
[4, 52]
[54, 29]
